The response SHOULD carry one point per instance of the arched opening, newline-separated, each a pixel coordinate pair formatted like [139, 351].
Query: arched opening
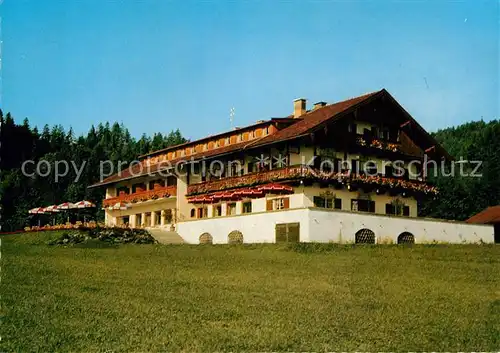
[365, 236]
[206, 238]
[406, 238]
[235, 237]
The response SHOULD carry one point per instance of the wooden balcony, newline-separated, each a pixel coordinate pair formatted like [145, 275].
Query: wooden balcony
[300, 172]
[141, 196]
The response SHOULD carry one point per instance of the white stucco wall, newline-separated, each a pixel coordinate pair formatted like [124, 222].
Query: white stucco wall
[318, 225]
[256, 228]
[341, 227]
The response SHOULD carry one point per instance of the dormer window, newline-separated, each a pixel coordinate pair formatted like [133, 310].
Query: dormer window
[217, 144]
[240, 137]
[267, 130]
[227, 141]
[205, 147]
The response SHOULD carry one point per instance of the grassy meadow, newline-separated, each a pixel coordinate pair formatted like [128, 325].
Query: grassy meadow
[302, 297]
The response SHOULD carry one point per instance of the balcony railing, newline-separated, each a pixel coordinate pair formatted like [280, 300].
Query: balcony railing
[308, 173]
[378, 144]
[158, 192]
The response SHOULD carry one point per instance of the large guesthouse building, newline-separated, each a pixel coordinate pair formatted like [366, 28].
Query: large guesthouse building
[347, 172]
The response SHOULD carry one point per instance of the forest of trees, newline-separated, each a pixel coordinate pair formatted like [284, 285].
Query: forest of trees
[21, 142]
[459, 197]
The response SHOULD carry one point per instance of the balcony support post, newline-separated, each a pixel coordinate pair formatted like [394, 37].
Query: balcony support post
[153, 219]
[162, 218]
[133, 221]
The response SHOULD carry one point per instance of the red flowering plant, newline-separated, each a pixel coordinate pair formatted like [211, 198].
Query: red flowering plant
[142, 196]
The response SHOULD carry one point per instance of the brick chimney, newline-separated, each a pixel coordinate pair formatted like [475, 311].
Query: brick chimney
[299, 107]
[318, 105]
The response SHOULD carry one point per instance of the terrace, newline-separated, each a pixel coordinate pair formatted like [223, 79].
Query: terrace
[142, 195]
[306, 173]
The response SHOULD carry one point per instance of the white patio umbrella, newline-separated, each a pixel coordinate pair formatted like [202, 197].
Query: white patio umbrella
[37, 210]
[52, 209]
[66, 206]
[84, 204]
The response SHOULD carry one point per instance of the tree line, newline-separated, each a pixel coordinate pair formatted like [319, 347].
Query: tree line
[21, 142]
[459, 198]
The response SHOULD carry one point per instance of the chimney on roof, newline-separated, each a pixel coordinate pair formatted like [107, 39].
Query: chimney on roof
[299, 107]
[318, 105]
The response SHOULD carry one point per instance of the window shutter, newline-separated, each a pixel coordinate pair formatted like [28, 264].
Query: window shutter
[269, 204]
[286, 202]
[281, 233]
[338, 204]
[372, 206]
[294, 232]
[406, 210]
[389, 209]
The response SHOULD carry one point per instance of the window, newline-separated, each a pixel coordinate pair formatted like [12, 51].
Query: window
[374, 132]
[247, 207]
[217, 210]
[240, 138]
[171, 181]
[327, 202]
[397, 209]
[202, 212]
[389, 172]
[354, 166]
[287, 232]
[363, 205]
[231, 209]
[193, 212]
[227, 141]
[352, 128]
[205, 147]
[385, 134]
[370, 168]
[267, 130]
[319, 201]
[278, 204]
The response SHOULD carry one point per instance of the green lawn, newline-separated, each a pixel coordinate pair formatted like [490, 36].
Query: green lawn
[252, 298]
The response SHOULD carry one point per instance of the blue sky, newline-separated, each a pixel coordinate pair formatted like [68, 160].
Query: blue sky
[159, 65]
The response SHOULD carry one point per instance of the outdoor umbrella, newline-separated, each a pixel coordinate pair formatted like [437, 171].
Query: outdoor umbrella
[84, 204]
[37, 210]
[66, 206]
[52, 209]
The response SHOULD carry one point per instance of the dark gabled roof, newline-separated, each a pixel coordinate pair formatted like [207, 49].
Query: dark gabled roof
[491, 215]
[313, 119]
[305, 124]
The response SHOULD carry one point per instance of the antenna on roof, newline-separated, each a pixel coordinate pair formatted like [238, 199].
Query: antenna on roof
[231, 116]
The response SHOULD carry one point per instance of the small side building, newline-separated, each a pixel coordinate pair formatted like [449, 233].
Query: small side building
[490, 215]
